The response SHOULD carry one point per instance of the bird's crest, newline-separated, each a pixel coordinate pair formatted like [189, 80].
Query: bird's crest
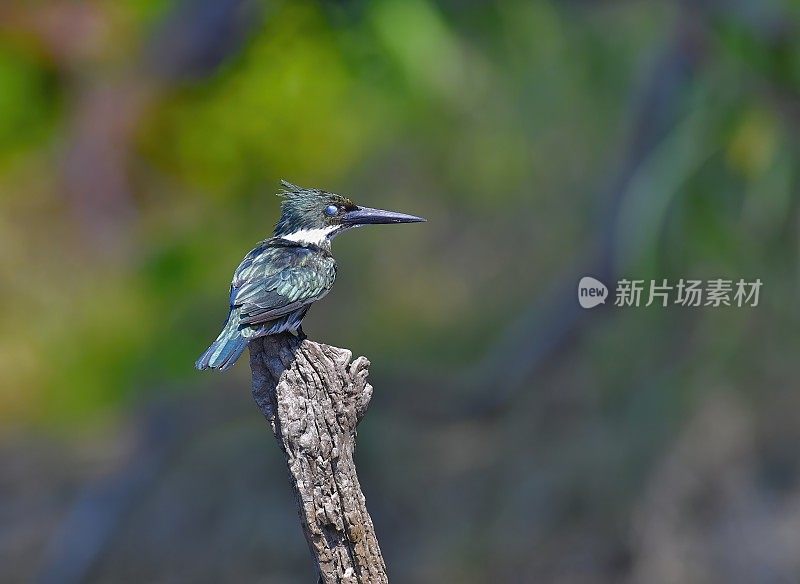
[290, 189]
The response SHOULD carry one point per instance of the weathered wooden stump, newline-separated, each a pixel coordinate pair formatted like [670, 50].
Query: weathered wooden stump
[314, 397]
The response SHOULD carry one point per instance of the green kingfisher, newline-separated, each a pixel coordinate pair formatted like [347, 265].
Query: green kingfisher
[279, 280]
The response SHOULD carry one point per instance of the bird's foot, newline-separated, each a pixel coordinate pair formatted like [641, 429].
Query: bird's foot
[301, 336]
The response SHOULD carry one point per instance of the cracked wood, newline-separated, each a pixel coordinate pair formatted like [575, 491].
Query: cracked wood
[313, 397]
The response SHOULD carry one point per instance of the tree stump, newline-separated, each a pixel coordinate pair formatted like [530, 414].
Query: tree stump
[314, 397]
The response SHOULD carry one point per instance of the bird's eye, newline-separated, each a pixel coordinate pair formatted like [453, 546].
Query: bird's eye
[331, 210]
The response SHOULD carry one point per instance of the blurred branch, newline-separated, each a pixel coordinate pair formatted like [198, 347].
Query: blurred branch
[192, 43]
[543, 331]
[199, 36]
[103, 505]
[546, 329]
[313, 398]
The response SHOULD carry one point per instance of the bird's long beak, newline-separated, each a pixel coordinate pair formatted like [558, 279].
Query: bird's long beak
[367, 216]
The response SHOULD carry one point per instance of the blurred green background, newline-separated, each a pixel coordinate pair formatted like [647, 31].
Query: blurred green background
[513, 437]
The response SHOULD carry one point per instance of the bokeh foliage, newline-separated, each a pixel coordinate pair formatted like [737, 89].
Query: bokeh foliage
[500, 121]
[141, 143]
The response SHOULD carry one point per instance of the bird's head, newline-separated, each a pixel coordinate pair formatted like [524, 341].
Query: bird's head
[316, 216]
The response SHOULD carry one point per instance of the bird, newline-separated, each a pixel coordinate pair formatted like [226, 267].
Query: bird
[278, 281]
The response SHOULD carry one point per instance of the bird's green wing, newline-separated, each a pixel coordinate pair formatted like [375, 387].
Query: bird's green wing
[274, 281]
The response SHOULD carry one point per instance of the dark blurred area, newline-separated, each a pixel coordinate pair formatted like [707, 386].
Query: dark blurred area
[514, 436]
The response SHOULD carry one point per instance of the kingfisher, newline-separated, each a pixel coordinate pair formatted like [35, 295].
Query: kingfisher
[278, 281]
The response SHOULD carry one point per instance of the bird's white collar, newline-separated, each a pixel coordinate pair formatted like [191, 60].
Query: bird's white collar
[312, 236]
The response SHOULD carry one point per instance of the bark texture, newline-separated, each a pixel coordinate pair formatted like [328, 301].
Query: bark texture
[314, 397]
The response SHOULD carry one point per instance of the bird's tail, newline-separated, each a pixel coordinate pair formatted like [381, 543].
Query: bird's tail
[224, 351]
